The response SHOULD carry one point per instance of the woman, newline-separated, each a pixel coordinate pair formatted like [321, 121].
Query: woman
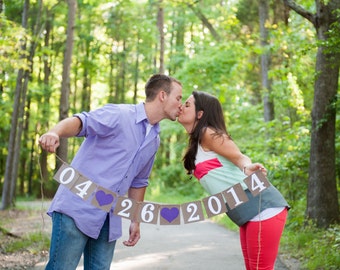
[216, 161]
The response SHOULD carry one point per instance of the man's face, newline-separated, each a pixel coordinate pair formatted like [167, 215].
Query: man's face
[173, 102]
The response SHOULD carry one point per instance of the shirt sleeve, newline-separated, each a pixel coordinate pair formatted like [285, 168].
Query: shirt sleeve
[142, 179]
[100, 122]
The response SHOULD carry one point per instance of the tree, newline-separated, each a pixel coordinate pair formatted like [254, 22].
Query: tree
[322, 197]
[16, 125]
[204, 20]
[268, 104]
[46, 95]
[65, 85]
[160, 25]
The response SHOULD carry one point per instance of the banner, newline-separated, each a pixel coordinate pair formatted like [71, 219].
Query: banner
[157, 213]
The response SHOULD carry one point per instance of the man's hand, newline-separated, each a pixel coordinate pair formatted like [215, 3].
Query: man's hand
[49, 141]
[134, 235]
[138, 195]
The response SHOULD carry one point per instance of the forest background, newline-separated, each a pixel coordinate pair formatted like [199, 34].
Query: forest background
[273, 64]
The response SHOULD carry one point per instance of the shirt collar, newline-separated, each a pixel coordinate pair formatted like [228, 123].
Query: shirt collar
[140, 113]
[141, 116]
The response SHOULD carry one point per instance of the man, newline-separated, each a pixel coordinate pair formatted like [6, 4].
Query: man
[117, 154]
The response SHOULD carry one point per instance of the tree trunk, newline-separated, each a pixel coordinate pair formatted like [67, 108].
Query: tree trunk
[268, 105]
[177, 49]
[160, 24]
[86, 91]
[205, 21]
[46, 98]
[122, 73]
[111, 97]
[136, 72]
[24, 161]
[65, 85]
[10, 178]
[117, 88]
[26, 77]
[322, 197]
[322, 201]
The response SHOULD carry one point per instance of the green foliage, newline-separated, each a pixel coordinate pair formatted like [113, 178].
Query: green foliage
[13, 10]
[212, 68]
[247, 12]
[337, 143]
[175, 179]
[33, 242]
[10, 44]
[314, 248]
[332, 44]
[168, 172]
[109, 40]
[156, 193]
[117, 49]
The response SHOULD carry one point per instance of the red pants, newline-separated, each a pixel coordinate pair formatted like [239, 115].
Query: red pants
[260, 241]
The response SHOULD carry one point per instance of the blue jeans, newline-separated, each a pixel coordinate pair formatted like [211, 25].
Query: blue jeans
[68, 244]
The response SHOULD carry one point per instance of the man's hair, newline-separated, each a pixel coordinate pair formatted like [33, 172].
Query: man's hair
[156, 83]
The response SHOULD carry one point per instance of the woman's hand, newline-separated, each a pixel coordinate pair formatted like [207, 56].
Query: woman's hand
[251, 168]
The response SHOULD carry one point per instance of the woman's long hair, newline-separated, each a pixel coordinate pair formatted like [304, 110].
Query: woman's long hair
[212, 117]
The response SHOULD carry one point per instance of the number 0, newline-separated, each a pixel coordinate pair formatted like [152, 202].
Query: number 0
[70, 178]
[218, 205]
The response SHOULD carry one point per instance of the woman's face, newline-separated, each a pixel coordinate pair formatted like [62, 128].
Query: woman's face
[187, 117]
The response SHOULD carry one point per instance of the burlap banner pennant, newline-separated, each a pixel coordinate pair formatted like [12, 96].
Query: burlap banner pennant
[154, 213]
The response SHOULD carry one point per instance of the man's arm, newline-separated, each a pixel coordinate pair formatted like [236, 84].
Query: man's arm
[138, 195]
[66, 128]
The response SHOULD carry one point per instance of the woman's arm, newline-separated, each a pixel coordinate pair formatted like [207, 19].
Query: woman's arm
[227, 148]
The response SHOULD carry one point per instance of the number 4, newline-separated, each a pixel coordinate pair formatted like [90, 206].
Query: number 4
[256, 183]
[83, 188]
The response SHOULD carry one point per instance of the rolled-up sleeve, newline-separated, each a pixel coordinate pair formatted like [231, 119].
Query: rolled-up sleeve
[142, 179]
[101, 122]
[82, 117]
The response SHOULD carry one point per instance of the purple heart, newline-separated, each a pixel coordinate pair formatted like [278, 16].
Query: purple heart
[169, 214]
[103, 198]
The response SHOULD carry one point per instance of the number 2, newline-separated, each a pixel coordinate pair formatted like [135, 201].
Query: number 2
[192, 208]
[127, 205]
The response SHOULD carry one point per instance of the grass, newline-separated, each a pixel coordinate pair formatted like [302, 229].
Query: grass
[32, 242]
[316, 249]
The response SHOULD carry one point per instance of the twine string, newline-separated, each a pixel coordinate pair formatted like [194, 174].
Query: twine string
[42, 193]
[259, 234]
